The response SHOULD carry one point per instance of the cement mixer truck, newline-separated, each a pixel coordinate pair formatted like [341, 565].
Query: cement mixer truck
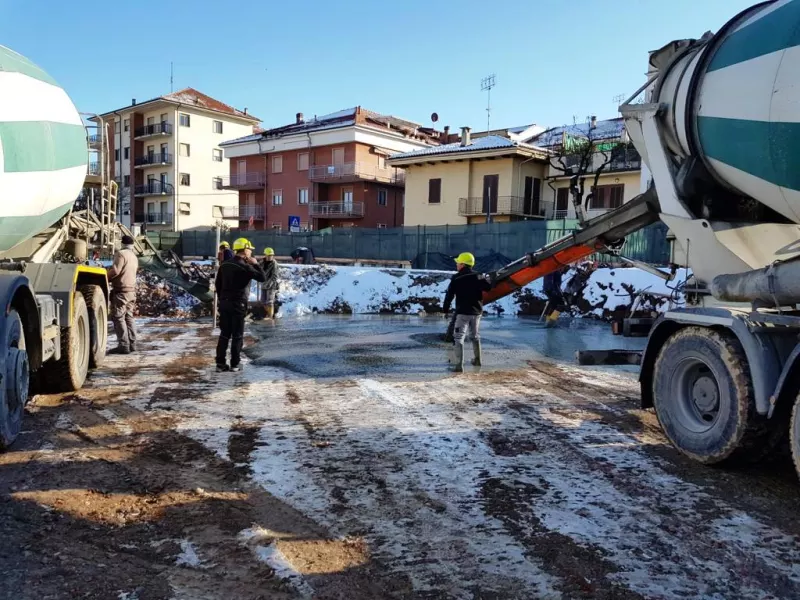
[718, 126]
[54, 319]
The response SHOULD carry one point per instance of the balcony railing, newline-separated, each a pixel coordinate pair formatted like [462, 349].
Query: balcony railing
[355, 171]
[162, 128]
[243, 213]
[336, 210]
[154, 218]
[154, 188]
[502, 205]
[157, 158]
[242, 181]
[94, 168]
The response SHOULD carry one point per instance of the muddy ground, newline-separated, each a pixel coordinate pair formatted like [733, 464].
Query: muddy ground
[163, 479]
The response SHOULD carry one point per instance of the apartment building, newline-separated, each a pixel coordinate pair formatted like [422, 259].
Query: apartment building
[325, 171]
[168, 161]
[492, 178]
[620, 178]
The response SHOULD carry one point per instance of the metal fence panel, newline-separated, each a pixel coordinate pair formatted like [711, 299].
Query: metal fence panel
[406, 243]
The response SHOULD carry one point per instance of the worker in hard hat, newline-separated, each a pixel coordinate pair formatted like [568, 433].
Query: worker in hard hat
[232, 286]
[467, 288]
[269, 288]
[224, 253]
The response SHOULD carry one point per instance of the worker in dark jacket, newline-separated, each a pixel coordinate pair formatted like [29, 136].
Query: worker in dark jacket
[232, 286]
[467, 287]
[269, 288]
[225, 253]
[551, 286]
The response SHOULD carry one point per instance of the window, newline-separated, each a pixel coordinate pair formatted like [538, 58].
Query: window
[216, 183]
[126, 152]
[302, 196]
[382, 197]
[184, 120]
[164, 117]
[277, 197]
[302, 161]
[116, 126]
[164, 149]
[607, 196]
[216, 155]
[127, 124]
[150, 122]
[434, 191]
[185, 179]
[185, 150]
[338, 156]
[151, 150]
[381, 161]
[126, 181]
[217, 126]
[116, 154]
[277, 164]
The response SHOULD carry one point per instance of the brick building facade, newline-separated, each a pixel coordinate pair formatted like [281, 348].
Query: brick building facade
[329, 171]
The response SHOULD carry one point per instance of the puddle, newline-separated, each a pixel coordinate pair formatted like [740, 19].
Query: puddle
[411, 347]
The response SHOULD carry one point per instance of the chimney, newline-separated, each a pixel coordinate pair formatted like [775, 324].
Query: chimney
[133, 101]
[299, 117]
[447, 134]
[245, 110]
[593, 122]
[466, 139]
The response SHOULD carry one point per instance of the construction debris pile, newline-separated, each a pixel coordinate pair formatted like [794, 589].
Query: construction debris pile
[158, 298]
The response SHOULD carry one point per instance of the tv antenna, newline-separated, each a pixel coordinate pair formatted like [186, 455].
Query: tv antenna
[487, 83]
[618, 99]
[171, 73]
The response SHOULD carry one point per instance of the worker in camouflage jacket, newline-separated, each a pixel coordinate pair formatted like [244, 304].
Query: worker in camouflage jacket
[269, 288]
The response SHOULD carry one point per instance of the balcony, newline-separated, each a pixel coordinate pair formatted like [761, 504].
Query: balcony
[242, 181]
[243, 213]
[350, 172]
[154, 218]
[94, 168]
[516, 206]
[150, 160]
[336, 210]
[154, 188]
[156, 129]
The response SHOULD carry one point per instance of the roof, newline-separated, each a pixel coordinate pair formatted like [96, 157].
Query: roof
[605, 130]
[490, 142]
[191, 96]
[342, 118]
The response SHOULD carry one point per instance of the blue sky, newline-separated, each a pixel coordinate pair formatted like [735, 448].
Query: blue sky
[554, 59]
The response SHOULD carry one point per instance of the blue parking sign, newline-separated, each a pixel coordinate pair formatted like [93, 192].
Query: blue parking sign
[294, 224]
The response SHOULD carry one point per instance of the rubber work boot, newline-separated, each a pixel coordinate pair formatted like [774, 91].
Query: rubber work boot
[551, 319]
[133, 347]
[270, 312]
[223, 368]
[458, 363]
[476, 350]
[120, 350]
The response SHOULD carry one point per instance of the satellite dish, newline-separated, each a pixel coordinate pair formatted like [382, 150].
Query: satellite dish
[434, 117]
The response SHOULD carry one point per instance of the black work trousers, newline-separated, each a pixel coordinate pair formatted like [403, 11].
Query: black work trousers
[231, 329]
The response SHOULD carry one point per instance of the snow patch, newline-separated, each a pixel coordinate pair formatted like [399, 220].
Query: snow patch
[266, 550]
[188, 556]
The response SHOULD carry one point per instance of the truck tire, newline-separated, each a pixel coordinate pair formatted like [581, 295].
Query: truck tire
[794, 435]
[704, 398]
[98, 323]
[69, 372]
[15, 380]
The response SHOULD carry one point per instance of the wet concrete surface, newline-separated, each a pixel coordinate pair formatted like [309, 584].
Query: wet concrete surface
[411, 347]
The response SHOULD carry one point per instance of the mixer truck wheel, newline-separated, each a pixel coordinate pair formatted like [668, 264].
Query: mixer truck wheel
[15, 380]
[794, 434]
[69, 372]
[98, 323]
[704, 398]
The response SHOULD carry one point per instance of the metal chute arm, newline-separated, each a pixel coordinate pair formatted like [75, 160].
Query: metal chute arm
[596, 236]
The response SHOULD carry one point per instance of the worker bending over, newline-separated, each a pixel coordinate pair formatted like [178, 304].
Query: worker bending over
[232, 286]
[122, 276]
[270, 286]
[467, 287]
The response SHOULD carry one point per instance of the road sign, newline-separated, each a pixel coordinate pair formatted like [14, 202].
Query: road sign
[294, 224]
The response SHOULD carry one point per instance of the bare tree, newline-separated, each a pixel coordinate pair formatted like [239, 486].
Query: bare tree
[577, 150]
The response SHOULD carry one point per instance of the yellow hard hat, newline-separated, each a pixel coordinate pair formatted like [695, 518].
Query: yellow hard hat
[224, 245]
[242, 244]
[466, 258]
[269, 252]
